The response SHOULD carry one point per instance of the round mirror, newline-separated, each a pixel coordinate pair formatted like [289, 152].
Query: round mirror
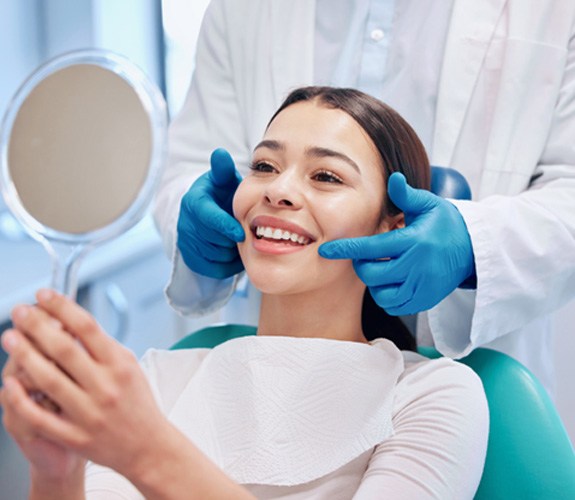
[82, 144]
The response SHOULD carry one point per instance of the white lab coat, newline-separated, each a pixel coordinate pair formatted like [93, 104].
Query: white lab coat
[505, 119]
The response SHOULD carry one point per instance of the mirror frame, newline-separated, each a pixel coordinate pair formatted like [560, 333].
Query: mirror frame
[155, 108]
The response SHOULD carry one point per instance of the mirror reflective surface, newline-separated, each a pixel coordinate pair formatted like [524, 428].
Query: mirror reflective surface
[82, 144]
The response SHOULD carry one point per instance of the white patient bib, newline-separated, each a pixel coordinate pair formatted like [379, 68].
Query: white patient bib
[284, 411]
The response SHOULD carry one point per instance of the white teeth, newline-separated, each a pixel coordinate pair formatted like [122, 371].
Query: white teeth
[280, 234]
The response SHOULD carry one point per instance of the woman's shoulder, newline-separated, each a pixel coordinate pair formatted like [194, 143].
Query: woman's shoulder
[422, 374]
[441, 427]
[428, 379]
[442, 370]
[442, 382]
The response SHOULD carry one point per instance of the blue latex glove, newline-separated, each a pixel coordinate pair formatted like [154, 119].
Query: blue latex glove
[424, 262]
[207, 230]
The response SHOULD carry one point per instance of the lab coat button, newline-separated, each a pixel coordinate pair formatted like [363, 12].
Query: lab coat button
[377, 34]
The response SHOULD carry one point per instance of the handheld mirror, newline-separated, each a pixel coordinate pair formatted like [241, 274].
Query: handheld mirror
[82, 143]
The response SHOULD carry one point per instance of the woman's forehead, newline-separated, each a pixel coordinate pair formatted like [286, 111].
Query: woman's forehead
[309, 124]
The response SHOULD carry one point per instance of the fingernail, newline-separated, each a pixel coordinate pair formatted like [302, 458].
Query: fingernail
[20, 312]
[9, 340]
[45, 294]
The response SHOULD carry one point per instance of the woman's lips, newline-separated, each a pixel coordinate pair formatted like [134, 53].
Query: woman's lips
[275, 224]
[273, 235]
[280, 235]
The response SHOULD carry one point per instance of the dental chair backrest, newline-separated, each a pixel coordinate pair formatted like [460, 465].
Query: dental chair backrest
[449, 183]
[529, 454]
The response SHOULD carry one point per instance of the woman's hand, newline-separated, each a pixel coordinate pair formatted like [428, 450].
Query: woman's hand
[48, 460]
[106, 410]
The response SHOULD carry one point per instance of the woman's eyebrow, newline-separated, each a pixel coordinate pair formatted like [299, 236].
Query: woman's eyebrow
[313, 152]
[271, 144]
[317, 152]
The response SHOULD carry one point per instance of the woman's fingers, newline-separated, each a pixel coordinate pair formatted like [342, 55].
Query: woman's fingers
[18, 428]
[46, 333]
[78, 322]
[12, 369]
[45, 376]
[96, 421]
[25, 420]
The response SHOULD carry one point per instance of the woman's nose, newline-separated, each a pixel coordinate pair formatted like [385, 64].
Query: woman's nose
[284, 191]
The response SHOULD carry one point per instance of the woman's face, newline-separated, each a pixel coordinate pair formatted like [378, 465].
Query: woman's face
[316, 176]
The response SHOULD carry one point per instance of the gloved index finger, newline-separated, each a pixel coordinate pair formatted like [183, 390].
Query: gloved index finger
[223, 169]
[379, 246]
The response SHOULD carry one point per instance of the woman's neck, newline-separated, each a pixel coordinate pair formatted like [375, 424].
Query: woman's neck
[329, 314]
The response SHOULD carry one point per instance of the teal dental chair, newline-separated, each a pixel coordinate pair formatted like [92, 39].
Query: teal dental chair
[529, 454]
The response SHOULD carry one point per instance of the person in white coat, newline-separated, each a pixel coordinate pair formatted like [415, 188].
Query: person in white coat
[488, 86]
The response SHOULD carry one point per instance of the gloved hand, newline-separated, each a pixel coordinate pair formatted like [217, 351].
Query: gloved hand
[207, 230]
[423, 262]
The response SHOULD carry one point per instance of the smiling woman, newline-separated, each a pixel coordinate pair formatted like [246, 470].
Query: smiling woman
[310, 407]
[320, 174]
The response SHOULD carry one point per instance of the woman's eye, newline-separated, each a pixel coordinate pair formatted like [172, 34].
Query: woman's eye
[325, 176]
[261, 166]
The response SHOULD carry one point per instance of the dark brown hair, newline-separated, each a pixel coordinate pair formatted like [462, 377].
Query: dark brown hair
[400, 150]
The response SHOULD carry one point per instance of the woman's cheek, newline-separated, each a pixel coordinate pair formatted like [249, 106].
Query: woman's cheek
[361, 220]
[238, 203]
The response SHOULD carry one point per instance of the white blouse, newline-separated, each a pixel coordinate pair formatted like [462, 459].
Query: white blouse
[321, 419]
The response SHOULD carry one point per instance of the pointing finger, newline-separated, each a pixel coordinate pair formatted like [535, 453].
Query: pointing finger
[380, 246]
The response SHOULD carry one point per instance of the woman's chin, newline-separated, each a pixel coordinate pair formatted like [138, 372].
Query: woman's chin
[269, 284]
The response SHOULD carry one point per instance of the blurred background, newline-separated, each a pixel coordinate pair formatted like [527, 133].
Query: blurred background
[122, 282]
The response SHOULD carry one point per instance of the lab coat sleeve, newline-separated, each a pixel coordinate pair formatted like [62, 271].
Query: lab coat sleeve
[210, 118]
[524, 245]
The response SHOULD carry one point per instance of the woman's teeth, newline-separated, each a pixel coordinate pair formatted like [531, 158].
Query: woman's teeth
[280, 234]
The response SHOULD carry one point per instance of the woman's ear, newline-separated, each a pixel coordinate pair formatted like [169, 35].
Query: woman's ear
[391, 222]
